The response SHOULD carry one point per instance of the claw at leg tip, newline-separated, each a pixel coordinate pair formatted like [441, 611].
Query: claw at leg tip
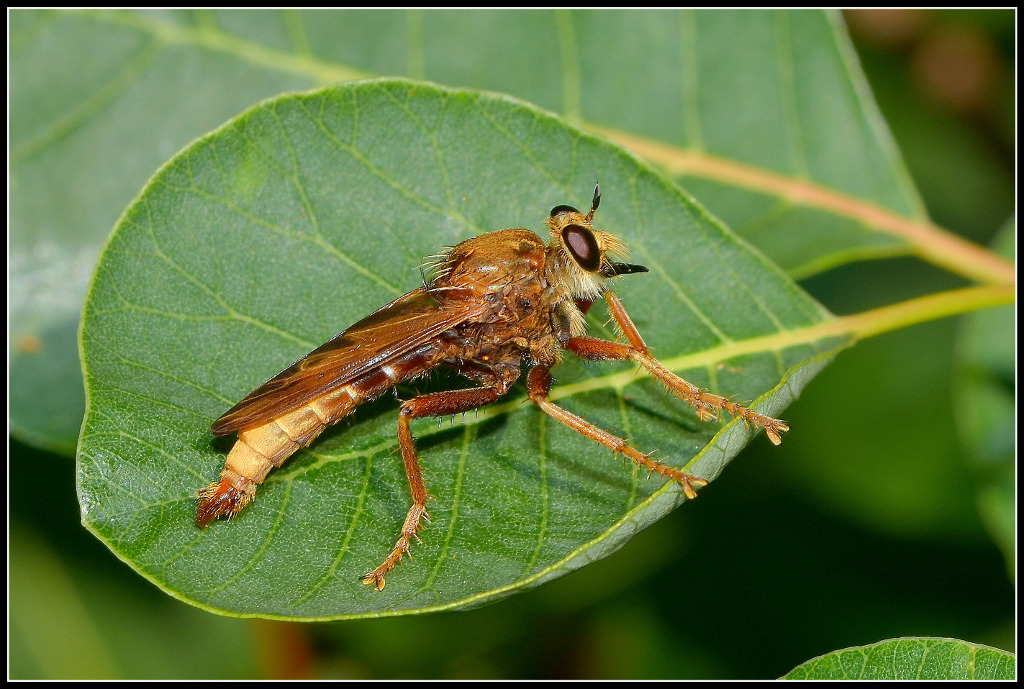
[690, 487]
[374, 581]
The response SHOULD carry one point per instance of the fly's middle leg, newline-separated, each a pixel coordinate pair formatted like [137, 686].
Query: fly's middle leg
[538, 383]
[433, 404]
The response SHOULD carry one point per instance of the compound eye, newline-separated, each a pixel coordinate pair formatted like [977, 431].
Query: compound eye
[557, 210]
[582, 244]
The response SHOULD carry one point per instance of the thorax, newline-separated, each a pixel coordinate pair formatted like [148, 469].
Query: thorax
[506, 270]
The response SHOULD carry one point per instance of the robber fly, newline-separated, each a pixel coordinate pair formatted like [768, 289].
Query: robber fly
[493, 303]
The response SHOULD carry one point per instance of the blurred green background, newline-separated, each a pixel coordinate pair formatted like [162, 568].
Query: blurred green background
[796, 552]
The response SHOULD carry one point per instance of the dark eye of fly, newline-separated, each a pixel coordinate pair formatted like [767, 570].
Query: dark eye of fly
[583, 246]
[562, 209]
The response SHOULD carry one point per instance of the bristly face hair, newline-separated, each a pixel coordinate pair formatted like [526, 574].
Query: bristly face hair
[580, 258]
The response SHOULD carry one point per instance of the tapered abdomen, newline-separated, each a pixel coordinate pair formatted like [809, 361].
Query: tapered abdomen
[260, 449]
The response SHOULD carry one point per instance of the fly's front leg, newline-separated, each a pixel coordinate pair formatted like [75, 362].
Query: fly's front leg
[708, 405]
[538, 384]
[433, 404]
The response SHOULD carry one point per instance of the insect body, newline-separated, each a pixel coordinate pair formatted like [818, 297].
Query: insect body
[495, 302]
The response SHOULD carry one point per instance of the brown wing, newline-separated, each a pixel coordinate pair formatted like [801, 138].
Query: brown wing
[389, 332]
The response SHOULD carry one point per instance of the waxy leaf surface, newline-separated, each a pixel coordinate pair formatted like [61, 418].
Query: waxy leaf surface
[274, 233]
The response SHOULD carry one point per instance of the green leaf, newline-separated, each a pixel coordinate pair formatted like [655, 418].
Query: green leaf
[97, 104]
[986, 414]
[308, 212]
[911, 658]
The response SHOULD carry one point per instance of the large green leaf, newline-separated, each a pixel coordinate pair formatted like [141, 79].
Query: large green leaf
[100, 99]
[272, 234]
[986, 409]
[911, 658]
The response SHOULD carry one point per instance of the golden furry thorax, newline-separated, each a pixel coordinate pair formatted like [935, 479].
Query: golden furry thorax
[579, 259]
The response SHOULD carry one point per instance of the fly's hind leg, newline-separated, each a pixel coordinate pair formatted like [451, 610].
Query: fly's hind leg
[433, 404]
[538, 383]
